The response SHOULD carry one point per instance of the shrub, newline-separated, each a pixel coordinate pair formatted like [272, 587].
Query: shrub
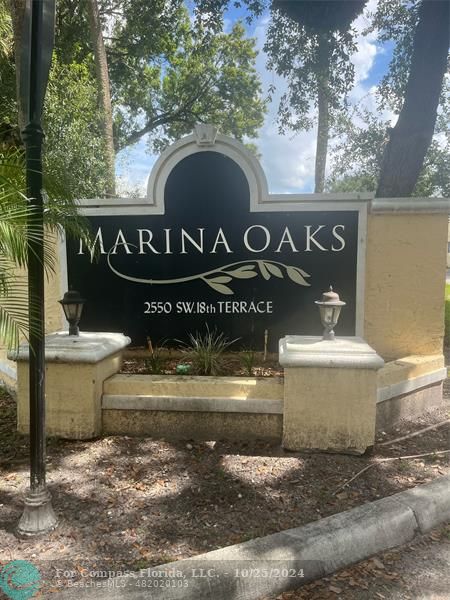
[155, 363]
[248, 359]
[206, 351]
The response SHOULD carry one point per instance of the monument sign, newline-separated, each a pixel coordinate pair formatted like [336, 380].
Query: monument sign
[214, 248]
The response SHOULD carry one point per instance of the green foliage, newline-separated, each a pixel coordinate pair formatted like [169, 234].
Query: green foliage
[293, 50]
[166, 74]
[447, 315]
[210, 12]
[358, 153]
[14, 210]
[309, 44]
[248, 359]
[13, 252]
[210, 80]
[292, 46]
[74, 144]
[351, 183]
[15, 231]
[322, 15]
[183, 369]
[294, 53]
[206, 350]
[434, 179]
[8, 109]
[395, 21]
[5, 29]
[157, 359]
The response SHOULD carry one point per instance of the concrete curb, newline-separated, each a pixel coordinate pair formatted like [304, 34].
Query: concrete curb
[272, 564]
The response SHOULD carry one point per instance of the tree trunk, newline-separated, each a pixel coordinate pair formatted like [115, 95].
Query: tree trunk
[104, 94]
[323, 119]
[17, 8]
[411, 137]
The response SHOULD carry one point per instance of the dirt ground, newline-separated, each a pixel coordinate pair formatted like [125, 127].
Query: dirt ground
[129, 503]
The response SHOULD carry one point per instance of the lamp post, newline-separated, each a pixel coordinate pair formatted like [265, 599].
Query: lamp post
[37, 44]
[330, 309]
[72, 304]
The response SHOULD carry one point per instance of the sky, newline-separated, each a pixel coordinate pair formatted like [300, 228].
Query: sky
[287, 160]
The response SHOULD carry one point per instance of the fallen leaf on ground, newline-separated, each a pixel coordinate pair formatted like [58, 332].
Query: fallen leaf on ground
[335, 589]
[377, 562]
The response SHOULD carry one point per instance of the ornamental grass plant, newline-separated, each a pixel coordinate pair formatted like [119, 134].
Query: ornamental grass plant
[206, 351]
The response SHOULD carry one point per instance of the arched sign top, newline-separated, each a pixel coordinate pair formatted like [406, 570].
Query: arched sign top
[206, 139]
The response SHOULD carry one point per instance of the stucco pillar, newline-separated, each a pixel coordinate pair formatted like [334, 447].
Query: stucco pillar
[405, 276]
[76, 367]
[330, 393]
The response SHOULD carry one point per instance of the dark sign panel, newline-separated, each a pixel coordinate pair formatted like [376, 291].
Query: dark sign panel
[209, 260]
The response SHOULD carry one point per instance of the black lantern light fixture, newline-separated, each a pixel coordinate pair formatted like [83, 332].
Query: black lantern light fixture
[330, 309]
[72, 304]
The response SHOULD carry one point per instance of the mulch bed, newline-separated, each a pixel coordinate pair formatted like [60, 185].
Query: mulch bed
[129, 503]
[141, 361]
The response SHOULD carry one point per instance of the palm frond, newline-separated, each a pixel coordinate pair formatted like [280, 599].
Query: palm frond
[17, 229]
[14, 310]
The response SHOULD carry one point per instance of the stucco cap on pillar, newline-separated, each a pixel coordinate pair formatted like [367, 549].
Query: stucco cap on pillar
[88, 347]
[313, 351]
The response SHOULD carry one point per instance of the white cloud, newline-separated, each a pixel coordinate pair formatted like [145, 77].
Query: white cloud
[367, 48]
[363, 59]
[288, 160]
[130, 188]
[133, 167]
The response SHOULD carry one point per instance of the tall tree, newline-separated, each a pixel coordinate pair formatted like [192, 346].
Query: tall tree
[17, 11]
[309, 43]
[165, 74]
[104, 93]
[420, 31]
[74, 141]
[314, 56]
[9, 131]
[357, 156]
[73, 144]
[411, 137]
[207, 80]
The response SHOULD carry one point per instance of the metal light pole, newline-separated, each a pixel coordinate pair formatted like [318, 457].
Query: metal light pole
[38, 516]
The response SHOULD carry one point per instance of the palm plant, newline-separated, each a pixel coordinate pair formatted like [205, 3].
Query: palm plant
[5, 29]
[60, 216]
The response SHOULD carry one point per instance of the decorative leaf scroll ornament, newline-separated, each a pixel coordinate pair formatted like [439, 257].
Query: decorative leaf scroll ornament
[249, 270]
[217, 279]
